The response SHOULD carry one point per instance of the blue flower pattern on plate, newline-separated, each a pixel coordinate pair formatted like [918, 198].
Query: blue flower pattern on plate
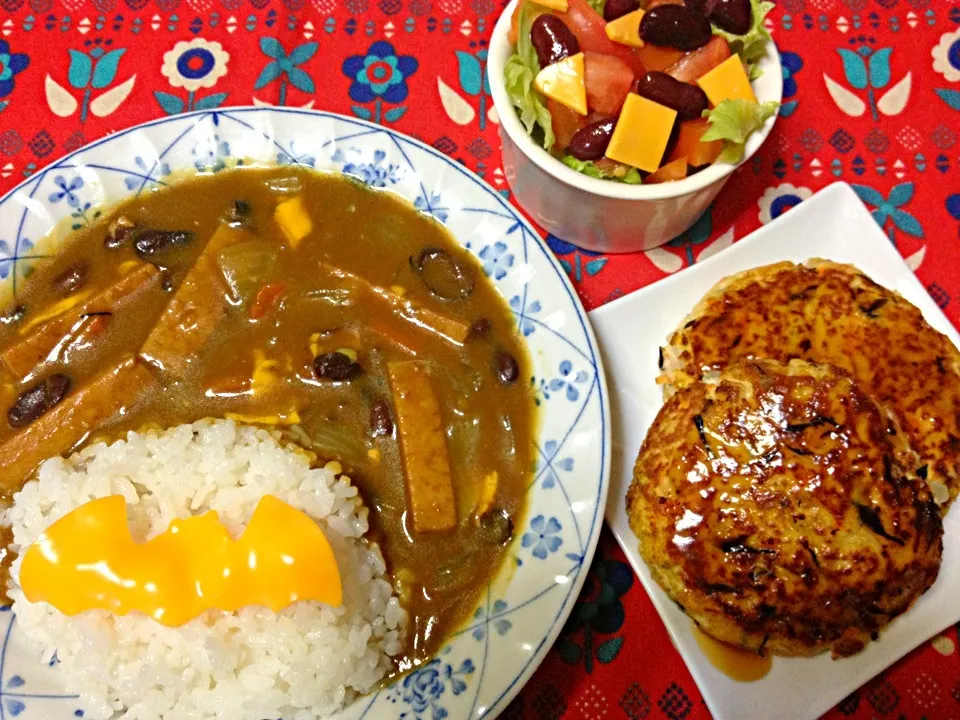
[375, 174]
[211, 157]
[500, 624]
[496, 260]
[544, 536]
[67, 190]
[432, 205]
[525, 315]
[549, 463]
[567, 382]
[149, 173]
[423, 689]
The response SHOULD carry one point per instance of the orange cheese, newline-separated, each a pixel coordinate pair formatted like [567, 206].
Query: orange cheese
[564, 82]
[727, 81]
[626, 29]
[641, 135]
[87, 560]
[558, 5]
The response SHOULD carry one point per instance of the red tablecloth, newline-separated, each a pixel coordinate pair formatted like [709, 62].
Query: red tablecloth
[871, 96]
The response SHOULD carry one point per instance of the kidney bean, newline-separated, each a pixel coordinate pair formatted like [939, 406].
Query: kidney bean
[336, 366]
[704, 7]
[381, 423]
[734, 16]
[614, 9]
[508, 370]
[38, 399]
[71, 279]
[480, 327]
[675, 26]
[688, 100]
[153, 242]
[590, 142]
[552, 40]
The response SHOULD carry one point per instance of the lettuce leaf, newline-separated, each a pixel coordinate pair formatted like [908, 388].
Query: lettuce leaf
[588, 168]
[752, 45]
[521, 68]
[733, 121]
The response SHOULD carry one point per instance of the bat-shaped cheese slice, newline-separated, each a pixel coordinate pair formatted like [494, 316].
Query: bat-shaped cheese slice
[87, 560]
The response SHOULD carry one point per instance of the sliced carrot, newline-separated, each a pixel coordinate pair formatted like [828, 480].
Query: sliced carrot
[655, 57]
[651, 4]
[675, 170]
[266, 299]
[690, 146]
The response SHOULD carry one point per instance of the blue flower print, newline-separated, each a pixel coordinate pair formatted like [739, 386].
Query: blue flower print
[791, 64]
[496, 260]
[66, 190]
[550, 464]
[375, 174]
[292, 157]
[149, 173]
[500, 624]
[11, 64]
[432, 205]
[524, 314]
[423, 689]
[543, 537]
[210, 156]
[381, 73]
[891, 208]
[567, 382]
[577, 266]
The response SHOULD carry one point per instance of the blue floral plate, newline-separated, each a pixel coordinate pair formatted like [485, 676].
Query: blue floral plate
[523, 609]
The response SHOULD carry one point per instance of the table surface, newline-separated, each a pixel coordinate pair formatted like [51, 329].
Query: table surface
[871, 97]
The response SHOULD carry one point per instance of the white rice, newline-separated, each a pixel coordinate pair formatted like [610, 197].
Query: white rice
[304, 662]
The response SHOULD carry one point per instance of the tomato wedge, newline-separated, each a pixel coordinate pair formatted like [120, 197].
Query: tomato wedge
[699, 62]
[608, 80]
[674, 170]
[690, 147]
[589, 27]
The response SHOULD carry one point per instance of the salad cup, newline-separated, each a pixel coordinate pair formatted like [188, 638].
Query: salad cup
[600, 214]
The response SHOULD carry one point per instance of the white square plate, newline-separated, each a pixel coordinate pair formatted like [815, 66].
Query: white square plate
[833, 224]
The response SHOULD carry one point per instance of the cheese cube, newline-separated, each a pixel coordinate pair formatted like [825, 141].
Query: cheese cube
[626, 30]
[564, 82]
[641, 135]
[558, 5]
[727, 81]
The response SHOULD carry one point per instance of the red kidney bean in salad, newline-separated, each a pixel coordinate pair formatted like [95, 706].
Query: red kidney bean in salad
[639, 90]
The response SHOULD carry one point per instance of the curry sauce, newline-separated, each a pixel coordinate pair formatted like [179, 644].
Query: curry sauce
[307, 303]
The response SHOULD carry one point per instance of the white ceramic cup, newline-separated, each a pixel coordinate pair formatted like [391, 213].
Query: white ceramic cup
[603, 215]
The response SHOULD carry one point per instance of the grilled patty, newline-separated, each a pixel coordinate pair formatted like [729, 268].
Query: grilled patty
[778, 506]
[830, 313]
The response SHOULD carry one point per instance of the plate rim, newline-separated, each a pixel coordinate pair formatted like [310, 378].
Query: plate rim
[539, 654]
[835, 194]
